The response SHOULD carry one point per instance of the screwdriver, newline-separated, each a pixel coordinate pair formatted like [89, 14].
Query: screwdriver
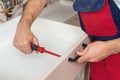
[43, 50]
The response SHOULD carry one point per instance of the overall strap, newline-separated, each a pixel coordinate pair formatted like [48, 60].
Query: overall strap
[102, 24]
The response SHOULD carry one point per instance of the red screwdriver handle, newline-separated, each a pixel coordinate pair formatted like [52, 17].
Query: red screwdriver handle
[42, 50]
[34, 47]
[38, 48]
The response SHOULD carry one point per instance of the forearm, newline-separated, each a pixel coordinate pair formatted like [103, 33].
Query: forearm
[32, 10]
[24, 36]
[114, 45]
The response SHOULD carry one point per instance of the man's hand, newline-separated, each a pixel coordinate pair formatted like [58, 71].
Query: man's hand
[96, 51]
[23, 38]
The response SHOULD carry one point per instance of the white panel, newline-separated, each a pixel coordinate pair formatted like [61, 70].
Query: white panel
[57, 37]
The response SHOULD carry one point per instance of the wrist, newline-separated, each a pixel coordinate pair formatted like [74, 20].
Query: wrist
[26, 20]
[114, 46]
[24, 23]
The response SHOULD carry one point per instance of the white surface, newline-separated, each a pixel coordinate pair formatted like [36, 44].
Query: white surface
[54, 36]
[60, 11]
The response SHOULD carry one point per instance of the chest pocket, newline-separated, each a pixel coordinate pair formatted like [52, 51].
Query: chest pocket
[88, 5]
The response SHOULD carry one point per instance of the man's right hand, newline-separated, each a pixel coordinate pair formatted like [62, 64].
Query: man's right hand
[23, 38]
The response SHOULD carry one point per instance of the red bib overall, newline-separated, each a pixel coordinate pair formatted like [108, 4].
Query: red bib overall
[101, 24]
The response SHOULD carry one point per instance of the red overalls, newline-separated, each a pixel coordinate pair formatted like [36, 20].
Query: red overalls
[101, 24]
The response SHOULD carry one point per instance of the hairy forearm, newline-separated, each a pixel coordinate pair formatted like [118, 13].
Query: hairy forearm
[32, 10]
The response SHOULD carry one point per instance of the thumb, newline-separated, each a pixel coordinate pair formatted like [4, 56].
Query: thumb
[80, 53]
[35, 41]
[82, 59]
